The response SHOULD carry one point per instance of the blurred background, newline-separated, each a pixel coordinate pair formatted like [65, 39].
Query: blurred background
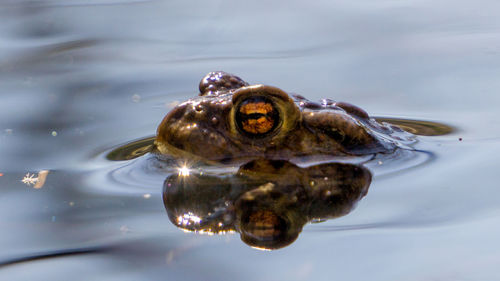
[79, 78]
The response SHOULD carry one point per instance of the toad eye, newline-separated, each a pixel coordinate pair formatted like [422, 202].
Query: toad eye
[262, 113]
[257, 116]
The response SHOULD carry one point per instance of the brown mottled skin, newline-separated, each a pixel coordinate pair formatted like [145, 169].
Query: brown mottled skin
[205, 128]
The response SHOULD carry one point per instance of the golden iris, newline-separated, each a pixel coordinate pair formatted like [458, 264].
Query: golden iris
[257, 116]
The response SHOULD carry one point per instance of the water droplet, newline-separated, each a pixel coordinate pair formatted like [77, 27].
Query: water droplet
[136, 98]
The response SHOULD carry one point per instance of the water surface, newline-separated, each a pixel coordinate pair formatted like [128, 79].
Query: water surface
[80, 79]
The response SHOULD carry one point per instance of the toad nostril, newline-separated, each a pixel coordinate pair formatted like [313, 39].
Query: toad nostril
[177, 113]
[198, 108]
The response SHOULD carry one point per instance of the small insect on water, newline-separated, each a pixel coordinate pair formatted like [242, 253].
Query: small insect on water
[38, 181]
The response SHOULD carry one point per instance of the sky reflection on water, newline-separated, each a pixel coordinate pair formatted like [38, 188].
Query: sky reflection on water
[103, 73]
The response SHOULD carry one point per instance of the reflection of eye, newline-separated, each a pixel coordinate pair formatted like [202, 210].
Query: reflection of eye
[264, 225]
[257, 116]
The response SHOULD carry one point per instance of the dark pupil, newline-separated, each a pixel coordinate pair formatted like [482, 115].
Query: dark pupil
[257, 116]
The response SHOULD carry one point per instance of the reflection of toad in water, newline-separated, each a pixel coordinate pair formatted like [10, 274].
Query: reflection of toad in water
[266, 201]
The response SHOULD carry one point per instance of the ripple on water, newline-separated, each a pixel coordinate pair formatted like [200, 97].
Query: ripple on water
[142, 146]
[139, 172]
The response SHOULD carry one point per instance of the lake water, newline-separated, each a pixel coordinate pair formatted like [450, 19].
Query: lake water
[80, 78]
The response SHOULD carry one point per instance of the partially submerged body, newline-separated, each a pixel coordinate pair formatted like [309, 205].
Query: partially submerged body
[265, 132]
[232, 121]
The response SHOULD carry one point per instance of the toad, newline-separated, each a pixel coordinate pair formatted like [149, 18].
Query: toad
[232, 121]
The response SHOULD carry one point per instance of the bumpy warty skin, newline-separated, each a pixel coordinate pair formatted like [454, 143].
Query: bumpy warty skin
[205, 127]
